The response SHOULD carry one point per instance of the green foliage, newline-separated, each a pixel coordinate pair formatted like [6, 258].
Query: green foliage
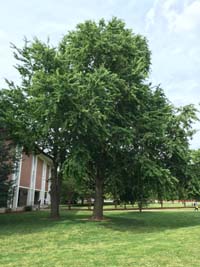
[87, 103]
[112, 64]
[36, 112]
[109, 45]
[7, 161]
[193, 172]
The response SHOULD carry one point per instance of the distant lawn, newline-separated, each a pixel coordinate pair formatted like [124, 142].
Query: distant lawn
[166, 204]
[160, 238]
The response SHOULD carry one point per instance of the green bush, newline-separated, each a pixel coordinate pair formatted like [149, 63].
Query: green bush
[8, 210]
[28, 208]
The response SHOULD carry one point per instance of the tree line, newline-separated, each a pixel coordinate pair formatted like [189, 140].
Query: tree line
[88, 104]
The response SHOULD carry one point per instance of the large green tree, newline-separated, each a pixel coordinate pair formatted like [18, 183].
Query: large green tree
[88, 105]
[113, 64]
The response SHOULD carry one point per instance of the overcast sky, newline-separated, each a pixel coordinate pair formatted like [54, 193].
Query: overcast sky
[172, 28]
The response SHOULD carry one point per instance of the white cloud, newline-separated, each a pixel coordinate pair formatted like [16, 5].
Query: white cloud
[188, 20]
[180, 16]
[173, 30]
[3, 34]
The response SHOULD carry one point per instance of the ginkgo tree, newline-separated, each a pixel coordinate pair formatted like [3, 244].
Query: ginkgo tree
[87, 104]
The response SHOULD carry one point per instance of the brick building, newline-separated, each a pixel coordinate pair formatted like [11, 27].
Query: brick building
[32, 180]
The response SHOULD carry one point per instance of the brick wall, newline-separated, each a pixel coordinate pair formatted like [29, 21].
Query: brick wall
[26, 170]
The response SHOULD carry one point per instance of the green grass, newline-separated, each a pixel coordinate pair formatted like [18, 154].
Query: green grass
[160, 238]
[135, 206]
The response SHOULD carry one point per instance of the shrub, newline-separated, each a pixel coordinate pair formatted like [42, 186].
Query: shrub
[28, 208]
[8, 210]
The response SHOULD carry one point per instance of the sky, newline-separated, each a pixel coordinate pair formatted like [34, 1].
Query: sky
[172, 28]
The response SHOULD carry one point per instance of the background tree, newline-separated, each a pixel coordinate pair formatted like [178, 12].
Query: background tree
[68, 191]
[193, 186]
[155, 163]
[179, 133]
[7, 167]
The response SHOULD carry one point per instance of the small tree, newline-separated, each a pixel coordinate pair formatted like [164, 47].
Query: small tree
[193, 186]
[7, 161]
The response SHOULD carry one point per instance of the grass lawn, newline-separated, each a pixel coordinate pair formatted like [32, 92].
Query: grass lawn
[159, 238]
[149, 206]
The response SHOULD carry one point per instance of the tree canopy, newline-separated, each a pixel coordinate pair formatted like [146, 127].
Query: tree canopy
[88, 104]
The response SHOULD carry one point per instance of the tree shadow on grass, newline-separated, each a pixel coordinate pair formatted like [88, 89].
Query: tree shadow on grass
[151, 221]
[135, 222]
[33, 222]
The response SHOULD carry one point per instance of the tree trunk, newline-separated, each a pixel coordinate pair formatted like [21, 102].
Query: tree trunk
[69, 205]
[161, 203]
[55, 193]
[140, 206]
[89, 202]
[69, 201]
[98, 203]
